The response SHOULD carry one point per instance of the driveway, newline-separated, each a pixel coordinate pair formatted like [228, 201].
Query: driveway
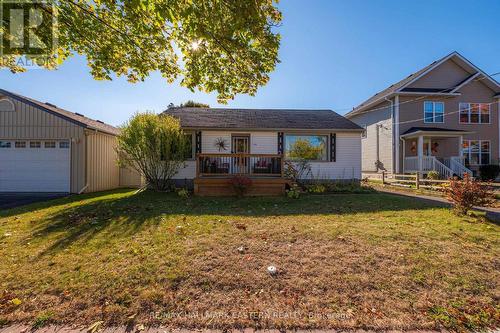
[11, 200]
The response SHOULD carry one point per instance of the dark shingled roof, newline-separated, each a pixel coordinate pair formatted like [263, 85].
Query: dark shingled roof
[430, 129]
[67, 115]
[261, 119]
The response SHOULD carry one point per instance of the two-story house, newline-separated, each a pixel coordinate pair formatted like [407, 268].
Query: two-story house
[445, 117]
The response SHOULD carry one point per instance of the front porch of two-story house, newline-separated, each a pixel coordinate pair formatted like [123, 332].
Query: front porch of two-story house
[428, 149]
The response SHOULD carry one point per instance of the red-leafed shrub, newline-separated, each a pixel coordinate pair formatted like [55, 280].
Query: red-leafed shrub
[241, 184]
[467, 193]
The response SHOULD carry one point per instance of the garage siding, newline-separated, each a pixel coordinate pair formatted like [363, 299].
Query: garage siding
[30, 123]
[103, 172]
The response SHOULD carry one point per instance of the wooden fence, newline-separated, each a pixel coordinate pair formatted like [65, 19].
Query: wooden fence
[416, 181]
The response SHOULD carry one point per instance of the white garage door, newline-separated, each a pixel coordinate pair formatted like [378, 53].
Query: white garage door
[34, 166]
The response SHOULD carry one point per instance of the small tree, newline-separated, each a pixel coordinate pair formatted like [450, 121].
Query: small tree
[155, 146]
[467, 193]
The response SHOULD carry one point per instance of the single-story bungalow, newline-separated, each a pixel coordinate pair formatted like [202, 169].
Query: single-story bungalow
[44, 148]
[258, 142]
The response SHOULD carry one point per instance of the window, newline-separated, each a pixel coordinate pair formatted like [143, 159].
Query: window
[35, 144]
[189, 147]
[476, 152]
[474, 113]
[4, 144]
[433, 112]
[64, 144]
[309, 147]
[20, 144]
[50, 144]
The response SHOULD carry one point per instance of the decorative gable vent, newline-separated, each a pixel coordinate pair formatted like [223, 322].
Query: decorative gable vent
[6, 105]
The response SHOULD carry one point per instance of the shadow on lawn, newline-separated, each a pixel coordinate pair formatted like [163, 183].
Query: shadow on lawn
[122, 215]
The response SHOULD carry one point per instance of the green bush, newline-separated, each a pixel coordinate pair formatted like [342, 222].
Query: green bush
[316, 188]
[352, 187]
[293, 192]
[183, 193]
[433, 175]
[489, 172]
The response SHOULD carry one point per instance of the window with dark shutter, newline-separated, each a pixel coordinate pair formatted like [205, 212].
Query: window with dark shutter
[198, 142]
[280, 143]
[333, 147]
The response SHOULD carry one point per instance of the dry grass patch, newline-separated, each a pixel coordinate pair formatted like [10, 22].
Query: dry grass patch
[344, 261]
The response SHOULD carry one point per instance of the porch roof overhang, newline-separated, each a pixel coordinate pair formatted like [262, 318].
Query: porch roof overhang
[433, 132]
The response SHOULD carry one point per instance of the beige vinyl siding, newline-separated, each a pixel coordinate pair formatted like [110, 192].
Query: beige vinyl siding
[103, 172]
[130, 178]
[446, 75]
[381, 118]
[30, 123]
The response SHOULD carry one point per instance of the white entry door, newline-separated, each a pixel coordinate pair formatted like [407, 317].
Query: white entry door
[34, 166]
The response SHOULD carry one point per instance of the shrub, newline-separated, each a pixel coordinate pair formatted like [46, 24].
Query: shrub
[467, 193]
[351, 187]
[240, 184]
[316, 188]
[155, 146]
[183, 193]
[293, 192]
[433, 175]
[489, 172]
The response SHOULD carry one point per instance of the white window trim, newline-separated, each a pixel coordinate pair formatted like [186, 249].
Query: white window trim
[479, 152]
[469, 113]
[434, 113]
[308, 134]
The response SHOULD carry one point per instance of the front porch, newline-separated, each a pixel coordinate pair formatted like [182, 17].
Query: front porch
[432, 149]
[214, 173]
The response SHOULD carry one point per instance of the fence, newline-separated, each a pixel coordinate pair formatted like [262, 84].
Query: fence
[416, 181]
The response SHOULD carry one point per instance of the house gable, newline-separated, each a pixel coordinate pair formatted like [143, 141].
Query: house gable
[446, 75]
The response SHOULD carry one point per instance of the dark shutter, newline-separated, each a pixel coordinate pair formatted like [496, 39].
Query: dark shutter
[198, 142]
[280, 143]
[333, 147]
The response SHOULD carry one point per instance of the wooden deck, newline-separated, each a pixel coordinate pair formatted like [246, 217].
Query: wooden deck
[222, 187]
[214, 173]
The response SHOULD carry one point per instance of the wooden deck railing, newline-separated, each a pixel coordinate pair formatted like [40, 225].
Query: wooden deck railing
[270, 165]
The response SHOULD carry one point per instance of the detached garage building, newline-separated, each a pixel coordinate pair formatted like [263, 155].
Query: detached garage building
[47, 149]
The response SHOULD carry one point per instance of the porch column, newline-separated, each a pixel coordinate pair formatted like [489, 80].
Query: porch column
[420, 150]
[460, 147]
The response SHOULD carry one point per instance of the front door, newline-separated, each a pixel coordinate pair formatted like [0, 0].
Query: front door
[240, 145]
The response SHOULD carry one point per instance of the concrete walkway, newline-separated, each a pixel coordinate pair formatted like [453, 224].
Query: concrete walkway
[492, 213]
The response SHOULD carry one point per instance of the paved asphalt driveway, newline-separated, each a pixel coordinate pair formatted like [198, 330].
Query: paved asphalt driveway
[10, 200]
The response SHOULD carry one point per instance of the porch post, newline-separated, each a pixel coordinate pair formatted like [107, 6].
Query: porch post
[420, 150]
[460, 147]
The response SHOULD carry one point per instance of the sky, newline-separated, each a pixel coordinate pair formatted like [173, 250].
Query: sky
[334, 54]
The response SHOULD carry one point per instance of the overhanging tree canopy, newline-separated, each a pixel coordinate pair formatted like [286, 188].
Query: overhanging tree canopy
[218, 45]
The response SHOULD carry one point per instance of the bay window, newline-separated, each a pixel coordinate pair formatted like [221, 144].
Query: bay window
[308, 147]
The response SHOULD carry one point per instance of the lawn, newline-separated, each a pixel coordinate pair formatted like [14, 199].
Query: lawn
[372, 261]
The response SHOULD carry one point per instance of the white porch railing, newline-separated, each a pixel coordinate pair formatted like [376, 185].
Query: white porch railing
[428, 163]
[456, 163]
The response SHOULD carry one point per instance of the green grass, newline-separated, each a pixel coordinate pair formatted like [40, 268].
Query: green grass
[344, 261]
